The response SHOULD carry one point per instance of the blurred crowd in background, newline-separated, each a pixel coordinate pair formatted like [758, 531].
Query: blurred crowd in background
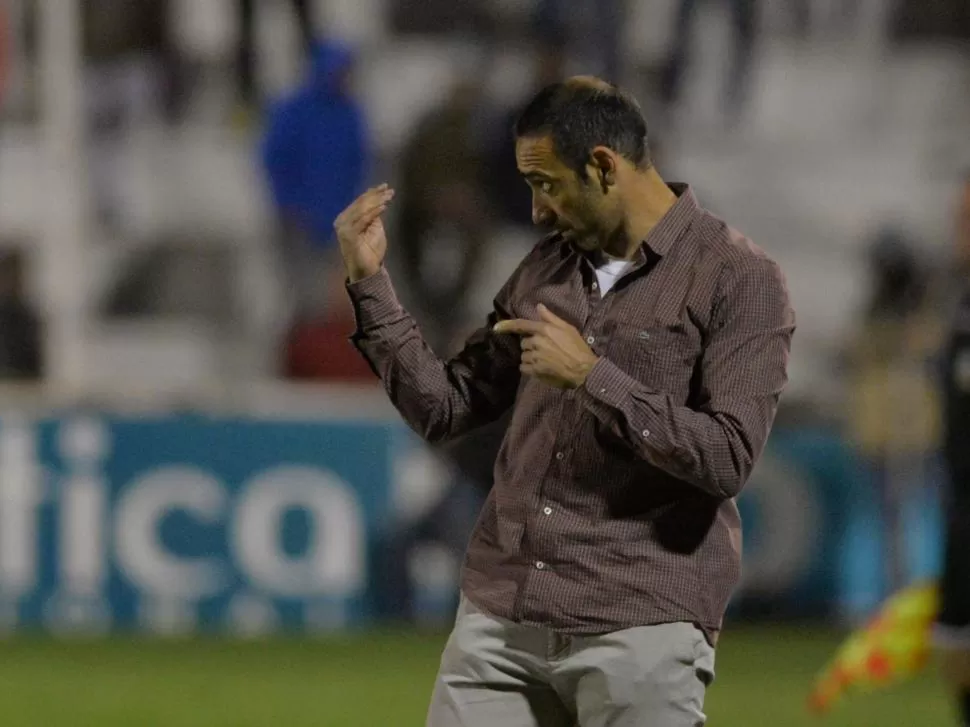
[222, 137]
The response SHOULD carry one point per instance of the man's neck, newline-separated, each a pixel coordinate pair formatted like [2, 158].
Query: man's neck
[648, 200]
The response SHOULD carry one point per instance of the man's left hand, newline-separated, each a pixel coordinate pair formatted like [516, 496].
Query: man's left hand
[552, 350]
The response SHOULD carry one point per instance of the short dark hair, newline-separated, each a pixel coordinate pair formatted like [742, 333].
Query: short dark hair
[579, 117]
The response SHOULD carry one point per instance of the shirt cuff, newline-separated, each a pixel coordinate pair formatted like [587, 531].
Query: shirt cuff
[607, 384]
[608, 390]
[374, 300]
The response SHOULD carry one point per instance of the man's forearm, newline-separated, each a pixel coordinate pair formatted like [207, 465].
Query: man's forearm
[714, 451]
[438, 400]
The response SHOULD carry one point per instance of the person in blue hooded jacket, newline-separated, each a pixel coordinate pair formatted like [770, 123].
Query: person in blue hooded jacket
[315, 155]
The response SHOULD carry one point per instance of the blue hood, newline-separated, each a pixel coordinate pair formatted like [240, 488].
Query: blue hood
[315, 151]
[328, 60]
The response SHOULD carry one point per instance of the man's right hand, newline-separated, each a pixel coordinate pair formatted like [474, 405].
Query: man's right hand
[360, 232]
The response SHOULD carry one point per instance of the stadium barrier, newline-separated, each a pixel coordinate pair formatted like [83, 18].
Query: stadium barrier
[176, 523]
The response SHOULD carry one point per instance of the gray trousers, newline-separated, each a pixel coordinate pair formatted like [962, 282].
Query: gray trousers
[495, 673]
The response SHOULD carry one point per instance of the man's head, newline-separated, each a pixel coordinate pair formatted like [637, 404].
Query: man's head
[580, 144]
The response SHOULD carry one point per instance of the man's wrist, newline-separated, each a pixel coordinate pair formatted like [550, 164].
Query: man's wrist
[585, 369]
[357, 275]
[374, 300]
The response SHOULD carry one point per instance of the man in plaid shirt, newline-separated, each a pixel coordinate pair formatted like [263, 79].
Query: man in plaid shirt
[642, 347]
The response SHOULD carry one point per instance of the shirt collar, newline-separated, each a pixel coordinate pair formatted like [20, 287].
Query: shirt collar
[666, 232]
[675, 221]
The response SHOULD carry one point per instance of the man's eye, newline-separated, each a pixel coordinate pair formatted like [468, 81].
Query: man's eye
[546, 187]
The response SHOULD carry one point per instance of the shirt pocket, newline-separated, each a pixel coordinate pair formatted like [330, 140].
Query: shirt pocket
[659, 357]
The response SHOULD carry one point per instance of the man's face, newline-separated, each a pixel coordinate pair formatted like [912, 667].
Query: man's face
[575, 207]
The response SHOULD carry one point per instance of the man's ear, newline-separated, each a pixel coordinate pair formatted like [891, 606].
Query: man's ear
[604, 163]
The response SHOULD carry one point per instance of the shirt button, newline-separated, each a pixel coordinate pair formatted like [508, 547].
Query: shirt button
[645, 433]
[595, 286]
[540, 565]
[547, 510]
[590, 340]
[559, 455]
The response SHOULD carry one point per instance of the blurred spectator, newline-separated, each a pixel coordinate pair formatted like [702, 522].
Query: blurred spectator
[840, 18]
[956, 270]
[176, 275]
[899, 282]
[590, 30]
[443, 213]
[3, 53]
[128, 64]
[801, 17]
[246, 60]
[963, 229]
[474, 18]
[744, 20]
[20, 333]
[931, 20]
[508, 192]
[315, 156]
[894, 407]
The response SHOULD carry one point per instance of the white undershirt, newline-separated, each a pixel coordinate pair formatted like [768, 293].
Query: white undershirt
[609, 272]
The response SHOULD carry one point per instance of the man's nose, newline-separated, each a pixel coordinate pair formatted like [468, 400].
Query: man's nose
[541, 214]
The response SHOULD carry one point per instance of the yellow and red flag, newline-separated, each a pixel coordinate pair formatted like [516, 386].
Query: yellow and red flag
[891, 647]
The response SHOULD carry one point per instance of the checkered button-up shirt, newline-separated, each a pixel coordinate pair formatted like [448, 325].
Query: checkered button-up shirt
[613, 504]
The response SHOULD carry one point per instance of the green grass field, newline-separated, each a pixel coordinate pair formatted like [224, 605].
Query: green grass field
[378, 680]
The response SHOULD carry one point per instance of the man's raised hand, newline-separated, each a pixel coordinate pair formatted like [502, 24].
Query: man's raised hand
[360, 233]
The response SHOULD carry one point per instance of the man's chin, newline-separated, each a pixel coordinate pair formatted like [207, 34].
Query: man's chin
[584, 243]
